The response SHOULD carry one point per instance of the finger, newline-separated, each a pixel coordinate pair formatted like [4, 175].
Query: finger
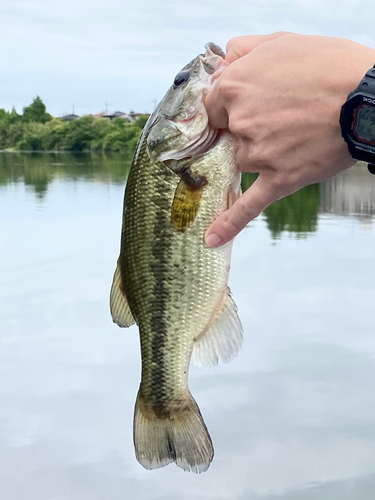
[236, 48]
[243, 156]
[216, 110]
[241, 45]
[246, 208]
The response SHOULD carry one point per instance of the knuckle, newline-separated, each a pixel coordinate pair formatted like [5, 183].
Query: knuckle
[234, 42]
[260, 155]
[224, 84]
[230, 74]
[242, 159]
[242, 126]
[231, 225]
[281, 186]
[283, 33]
[277, 184]
[239, 127]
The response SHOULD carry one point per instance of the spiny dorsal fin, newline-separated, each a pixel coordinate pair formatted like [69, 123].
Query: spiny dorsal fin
[223, 337]
[120, 310]
[185, 205]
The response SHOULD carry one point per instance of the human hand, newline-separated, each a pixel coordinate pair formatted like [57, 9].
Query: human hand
[281, 97]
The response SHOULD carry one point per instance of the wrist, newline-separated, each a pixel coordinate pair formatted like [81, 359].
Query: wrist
[364, 61]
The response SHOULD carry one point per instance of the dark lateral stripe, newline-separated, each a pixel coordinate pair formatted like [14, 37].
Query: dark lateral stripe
[160, 269]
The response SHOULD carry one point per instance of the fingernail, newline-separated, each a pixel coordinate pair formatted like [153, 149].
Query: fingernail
[213, 240]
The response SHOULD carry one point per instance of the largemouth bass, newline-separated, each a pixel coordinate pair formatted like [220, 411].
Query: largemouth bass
[167, 281]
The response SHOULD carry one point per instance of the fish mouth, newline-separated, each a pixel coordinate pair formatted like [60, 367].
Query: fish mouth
[195, 141]
[215, 49]
[200, 143]
[211, 60]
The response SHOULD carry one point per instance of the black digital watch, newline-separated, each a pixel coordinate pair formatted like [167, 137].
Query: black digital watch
[357, 121]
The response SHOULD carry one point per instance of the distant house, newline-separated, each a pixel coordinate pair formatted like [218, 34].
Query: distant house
[130, 117]
[133, 115]
[69, 118]
[117, 114]
[100, 115]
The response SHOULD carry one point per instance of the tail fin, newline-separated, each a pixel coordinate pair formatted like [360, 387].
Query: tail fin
[182, 438]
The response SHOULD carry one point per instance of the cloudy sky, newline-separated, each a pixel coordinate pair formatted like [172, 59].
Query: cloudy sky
[125, 53]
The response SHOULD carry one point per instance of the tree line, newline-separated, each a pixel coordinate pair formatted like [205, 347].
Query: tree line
[37, 130]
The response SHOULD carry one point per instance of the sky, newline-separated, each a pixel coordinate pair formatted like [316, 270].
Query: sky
[123, 55]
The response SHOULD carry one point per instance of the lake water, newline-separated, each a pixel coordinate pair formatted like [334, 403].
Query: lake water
[291, 418]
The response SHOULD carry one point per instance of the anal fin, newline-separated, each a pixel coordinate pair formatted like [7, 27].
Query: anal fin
[120, 309]
[223, 337]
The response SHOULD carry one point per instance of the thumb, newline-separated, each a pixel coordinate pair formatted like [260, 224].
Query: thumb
[246, 208]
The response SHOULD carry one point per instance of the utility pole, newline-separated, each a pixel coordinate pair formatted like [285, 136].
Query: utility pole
[106, 107]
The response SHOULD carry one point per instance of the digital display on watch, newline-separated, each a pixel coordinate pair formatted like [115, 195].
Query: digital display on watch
[364, 124]
[357, 120]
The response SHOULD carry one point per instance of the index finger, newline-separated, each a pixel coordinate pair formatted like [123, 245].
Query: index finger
[246, 208]
[239, 46]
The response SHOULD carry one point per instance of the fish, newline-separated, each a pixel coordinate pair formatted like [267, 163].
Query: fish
[167, 281]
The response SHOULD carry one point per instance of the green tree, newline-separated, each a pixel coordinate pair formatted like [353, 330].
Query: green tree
[4, 115]
[79, 134]
[54, 136]
[36, 112]
[14, 134]
[141, 120]
[36, 130]
[121, 136]
[100, 128]
[32, 137]
[13, 116]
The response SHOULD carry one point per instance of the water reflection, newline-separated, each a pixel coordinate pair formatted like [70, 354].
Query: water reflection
[38, 170]
[292, 417]
[350, 193]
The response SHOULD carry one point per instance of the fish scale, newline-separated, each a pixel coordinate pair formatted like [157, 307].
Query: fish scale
[176, 290]
[171, 300]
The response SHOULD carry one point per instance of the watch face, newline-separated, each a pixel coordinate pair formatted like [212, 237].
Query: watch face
[364, 124]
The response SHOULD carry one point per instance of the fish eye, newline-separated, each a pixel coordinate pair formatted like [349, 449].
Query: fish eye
[181, 78]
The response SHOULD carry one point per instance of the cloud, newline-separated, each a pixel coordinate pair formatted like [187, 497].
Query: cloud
[127, 53]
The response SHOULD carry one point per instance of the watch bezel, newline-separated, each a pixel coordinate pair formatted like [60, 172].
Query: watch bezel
[358, 148]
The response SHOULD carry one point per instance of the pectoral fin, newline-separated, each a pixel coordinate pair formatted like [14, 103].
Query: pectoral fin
[120, 309]
[185, 205]
[223, 337]
[233, 194]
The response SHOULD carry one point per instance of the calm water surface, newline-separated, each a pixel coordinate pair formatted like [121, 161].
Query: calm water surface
[292, 418]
